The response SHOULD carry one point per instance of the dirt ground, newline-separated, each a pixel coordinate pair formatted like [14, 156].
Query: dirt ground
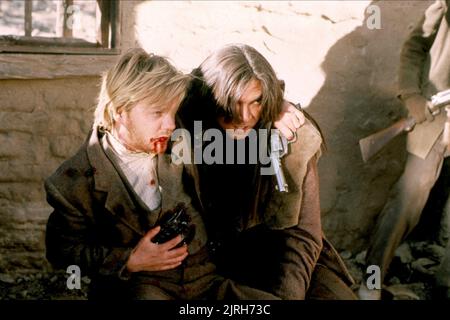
[41, 286]
[411, 274]
[410, 277]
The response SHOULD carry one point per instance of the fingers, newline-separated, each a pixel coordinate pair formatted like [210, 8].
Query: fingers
[295, 122]
[429, 115]
[299, 114]
[172, 261]
[162, 267]
[175, 260]
[298, 118]
[290, 120]
[286, 132]
[169, 263]
[172, 243]
[168, 267]
[176, 252]
[152, 232]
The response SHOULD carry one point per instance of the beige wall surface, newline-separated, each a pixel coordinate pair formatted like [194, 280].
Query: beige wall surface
[343, 73]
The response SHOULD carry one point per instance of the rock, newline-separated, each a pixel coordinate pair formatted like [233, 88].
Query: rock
[6, 278]
[361, 257]
[425, 266]
[402, 271]
[402, 292]
[404, 253]
[346, 254]
[86, 280]
[418, 248]
[435, 251]
[355, 271]
[394, 281]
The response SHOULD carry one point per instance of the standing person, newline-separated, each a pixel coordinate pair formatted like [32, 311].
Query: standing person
[262, 237]
[110, 198]
[424, 71]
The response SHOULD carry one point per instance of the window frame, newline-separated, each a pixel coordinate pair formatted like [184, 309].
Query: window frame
[107, 37]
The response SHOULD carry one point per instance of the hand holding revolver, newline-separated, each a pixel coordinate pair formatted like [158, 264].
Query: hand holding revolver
[289, 120]
[149, 256]
[164, 247]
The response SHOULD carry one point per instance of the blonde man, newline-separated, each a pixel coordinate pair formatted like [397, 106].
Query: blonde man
[110, 197]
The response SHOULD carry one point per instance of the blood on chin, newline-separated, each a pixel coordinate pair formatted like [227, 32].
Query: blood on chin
[158, 145]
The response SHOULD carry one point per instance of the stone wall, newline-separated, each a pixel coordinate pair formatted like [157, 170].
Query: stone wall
[44, 119]
[341, 71]
[42, 123]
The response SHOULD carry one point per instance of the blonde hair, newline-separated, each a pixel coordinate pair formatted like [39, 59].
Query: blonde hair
[136, 77]
[229, 70]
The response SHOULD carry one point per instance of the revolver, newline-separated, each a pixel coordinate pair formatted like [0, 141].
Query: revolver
[278, 148]
[173, 223]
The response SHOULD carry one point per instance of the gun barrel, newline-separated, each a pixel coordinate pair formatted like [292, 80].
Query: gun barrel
[278, 148]
[279, 174]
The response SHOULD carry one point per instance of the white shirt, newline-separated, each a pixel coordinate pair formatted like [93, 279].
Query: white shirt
[139, 168]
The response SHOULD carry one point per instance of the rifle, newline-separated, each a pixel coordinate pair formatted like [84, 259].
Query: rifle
[372, 144]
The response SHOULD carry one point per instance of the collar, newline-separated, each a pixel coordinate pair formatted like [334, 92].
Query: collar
[108, 180]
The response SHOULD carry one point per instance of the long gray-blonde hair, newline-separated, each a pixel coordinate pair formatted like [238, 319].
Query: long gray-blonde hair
[230, 69]
[138, 76]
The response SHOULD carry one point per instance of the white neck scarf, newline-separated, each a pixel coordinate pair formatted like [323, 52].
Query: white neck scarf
[140, 170]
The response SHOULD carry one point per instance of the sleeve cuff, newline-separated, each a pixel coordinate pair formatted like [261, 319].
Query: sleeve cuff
[115, 263]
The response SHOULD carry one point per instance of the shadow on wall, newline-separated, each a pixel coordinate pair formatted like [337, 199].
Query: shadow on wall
[358, 98]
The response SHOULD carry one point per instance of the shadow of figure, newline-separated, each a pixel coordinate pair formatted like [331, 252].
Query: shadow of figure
[358, 98]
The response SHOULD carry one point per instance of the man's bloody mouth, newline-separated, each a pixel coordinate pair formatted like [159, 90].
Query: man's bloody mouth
[158, 145]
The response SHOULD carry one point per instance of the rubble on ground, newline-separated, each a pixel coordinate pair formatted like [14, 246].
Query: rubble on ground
[40, 286]
[410, 277]
[411, 274]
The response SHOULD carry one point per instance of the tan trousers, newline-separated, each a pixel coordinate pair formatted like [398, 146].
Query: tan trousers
[403, 210]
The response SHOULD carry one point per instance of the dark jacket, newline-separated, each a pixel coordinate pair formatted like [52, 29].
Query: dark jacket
[98, 219]
[280, 239]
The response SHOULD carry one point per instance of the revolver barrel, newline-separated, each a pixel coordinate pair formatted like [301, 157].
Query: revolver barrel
[278, 149]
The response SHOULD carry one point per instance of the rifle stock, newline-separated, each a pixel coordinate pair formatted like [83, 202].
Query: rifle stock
[372, 144]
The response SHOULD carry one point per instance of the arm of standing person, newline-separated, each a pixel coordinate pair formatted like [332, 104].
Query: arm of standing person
[413, 56]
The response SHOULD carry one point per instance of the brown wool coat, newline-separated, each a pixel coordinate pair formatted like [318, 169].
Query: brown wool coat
[97, 220]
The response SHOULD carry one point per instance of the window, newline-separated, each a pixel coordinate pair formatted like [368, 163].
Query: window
[59, 26]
